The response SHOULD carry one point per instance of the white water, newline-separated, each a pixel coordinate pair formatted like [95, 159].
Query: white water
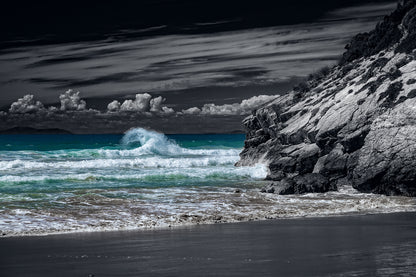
[150, 181]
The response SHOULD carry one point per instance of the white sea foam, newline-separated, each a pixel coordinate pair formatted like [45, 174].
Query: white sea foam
[156, 143]
[148, 143]
[145, 162]
[258, 171]
[150, 181]
[155, 208]
[172, 150]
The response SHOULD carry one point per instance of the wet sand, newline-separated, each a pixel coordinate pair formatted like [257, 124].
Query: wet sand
[369, 245]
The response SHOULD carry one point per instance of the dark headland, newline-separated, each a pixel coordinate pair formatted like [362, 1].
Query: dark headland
[33, 131]
[352, 124]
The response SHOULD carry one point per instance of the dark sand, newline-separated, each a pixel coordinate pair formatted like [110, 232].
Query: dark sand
[371, 245]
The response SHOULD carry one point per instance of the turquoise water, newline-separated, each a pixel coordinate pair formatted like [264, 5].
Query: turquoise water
[144, 179]
[66, 142]
[69, 176]
[140, 159]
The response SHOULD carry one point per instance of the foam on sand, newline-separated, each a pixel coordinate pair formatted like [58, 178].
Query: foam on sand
[151, 181]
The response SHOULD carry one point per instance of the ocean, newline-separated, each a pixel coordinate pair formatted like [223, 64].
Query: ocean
[144, 179]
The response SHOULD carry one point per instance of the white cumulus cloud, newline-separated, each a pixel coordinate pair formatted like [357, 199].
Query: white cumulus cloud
[242, 108]
[143, 103]
[140, 104]
[26, 104]
[167, 110]
[113, 106]
[71, 101]
[156, 104]
[52, 109]
[193, 110]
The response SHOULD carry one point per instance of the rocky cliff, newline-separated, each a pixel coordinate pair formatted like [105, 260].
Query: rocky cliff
[353, 124]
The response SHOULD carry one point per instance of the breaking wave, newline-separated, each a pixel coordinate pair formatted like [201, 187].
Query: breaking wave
[146, 179]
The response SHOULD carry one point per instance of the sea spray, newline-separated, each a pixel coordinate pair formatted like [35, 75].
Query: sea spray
[151, 142]
[146, 179]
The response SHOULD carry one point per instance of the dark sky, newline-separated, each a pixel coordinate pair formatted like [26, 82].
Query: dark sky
[191, 53]
[51, 21]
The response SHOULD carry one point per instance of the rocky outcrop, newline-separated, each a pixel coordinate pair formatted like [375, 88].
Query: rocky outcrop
[352, 124]
[386, 163]
[387, 33]
[307, 183]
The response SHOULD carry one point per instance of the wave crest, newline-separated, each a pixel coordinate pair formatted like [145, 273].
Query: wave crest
[151, 142]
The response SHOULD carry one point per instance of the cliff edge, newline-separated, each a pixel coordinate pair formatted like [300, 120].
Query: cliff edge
[353, 124]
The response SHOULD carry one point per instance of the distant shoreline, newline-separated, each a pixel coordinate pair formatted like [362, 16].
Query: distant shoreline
[56, 131]
[200, 225]
[33, 131]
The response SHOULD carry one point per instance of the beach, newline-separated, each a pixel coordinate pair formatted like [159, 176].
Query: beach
[355, 245]
[53, 184]
[149, 204]
[213, 139]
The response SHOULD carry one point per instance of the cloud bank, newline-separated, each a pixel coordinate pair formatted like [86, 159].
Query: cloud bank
[71, 101]
[144, 110]
[242, 108]
[143, 103]
[161, 64]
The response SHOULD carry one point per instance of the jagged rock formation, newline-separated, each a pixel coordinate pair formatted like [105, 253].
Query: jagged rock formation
[352, 124]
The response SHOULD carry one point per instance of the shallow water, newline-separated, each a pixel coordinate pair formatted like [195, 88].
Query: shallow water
[368, 245]
[66, 183]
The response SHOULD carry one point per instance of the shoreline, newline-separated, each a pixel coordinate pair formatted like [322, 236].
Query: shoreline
[193, 224]
[381, 244]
